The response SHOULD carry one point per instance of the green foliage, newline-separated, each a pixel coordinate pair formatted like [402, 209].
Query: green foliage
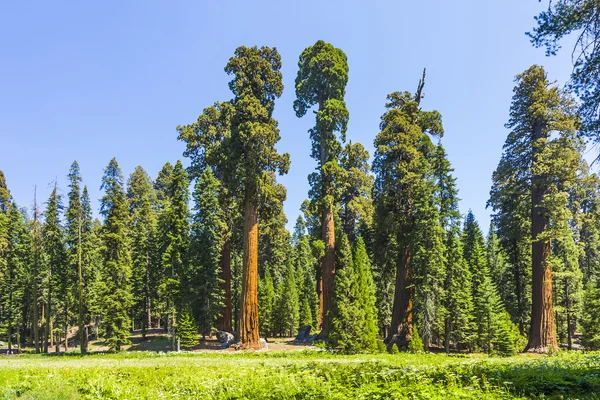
[203, 281]
[187, 330]
[266, 304]
[286, 312]
[416, 344]
[366, 296]
[590, 321]
[394, 349]
[117, 298]
[562, 19]
[508, 340]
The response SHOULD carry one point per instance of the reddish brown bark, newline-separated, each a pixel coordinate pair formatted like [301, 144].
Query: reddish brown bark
[227, 314]
[249, 335]
[327, 269]
[401, 328]
[542, 336]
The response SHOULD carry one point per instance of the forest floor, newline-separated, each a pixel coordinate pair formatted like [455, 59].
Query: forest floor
[308, 374]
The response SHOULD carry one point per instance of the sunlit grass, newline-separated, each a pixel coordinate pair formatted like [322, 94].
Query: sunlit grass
[297, 375]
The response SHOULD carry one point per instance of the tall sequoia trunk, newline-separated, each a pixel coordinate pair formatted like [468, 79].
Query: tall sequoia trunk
[227, 314]
[248, 325]
[401, 328]
[327, 269]
[542, 336]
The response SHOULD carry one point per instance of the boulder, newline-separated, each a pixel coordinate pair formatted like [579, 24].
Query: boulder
[225, 338]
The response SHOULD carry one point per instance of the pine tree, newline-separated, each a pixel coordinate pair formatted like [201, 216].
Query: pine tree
[305, 272]
[206, 243]
[208, 146]
[321, 81]
[357, 186]
[366, 289]
[531, 183]
[286, 306]
[256, 84]
[407, 230]
[347, 318]
[187, 330]
[174, 229]
[117, 263]
[143, 228]
[266, 302]
[60, 279]
[590, 321]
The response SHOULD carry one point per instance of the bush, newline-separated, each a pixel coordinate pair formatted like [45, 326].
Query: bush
[187, 331]
[381, 348]
[416, 344]
[394, 349]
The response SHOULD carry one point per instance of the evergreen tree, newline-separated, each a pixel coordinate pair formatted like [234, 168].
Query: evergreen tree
[357, 186]
[143, 228]
[590, 321]
[266, 302]
[306, 272]
[208, 226]
[59, 279]
[366, 296]
[538, 167]
[256, 84]
[347, 319]
[407, 230]
[286, 307]
[174, 230]
[321, 81]
[117, 263]
[207, 146]
[187, 330]
[562, 19]
[458, 305]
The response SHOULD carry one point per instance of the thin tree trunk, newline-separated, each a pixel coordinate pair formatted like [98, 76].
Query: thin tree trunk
[226, 284]
[249, 335]
[542, 336]
[66, 327]
[81, 332]
[48, 329]
[148, 304]
[327, 269]
[401, 329]
[568, 307]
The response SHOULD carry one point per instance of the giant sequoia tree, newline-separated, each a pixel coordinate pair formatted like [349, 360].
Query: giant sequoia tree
[538, 166]
[405, 224]
[256, 84]
[321, 81]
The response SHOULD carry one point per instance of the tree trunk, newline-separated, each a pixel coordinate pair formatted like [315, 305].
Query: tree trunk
[66, 327]
[226, 284]
[327, 269]
[542, 336]
[568, 308]
[401, 328]
[82, 346]
[248, 332]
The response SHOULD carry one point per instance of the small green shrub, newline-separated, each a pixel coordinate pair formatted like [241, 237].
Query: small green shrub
[416, 344]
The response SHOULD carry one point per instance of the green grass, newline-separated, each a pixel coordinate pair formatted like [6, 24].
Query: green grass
[298, 375]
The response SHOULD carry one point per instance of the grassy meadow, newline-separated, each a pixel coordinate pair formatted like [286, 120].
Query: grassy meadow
[309, 374]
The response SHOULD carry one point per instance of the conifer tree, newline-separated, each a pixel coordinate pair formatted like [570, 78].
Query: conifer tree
[306, 273]
[256, 84]
[366, 299]
[538, 166]
[347, 318]
[206, 244]
[187, 330]
[143, 228]
[17, 258]
[207, 146]
[321, 81]
[406, 221]
[357, 186]
[117, 263]
[458, 305]
[590, 321]
[60, 279]
[266, 303]
[286, 307]
[175, 232]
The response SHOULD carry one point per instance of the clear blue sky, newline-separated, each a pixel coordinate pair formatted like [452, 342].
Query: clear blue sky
[89, 81]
